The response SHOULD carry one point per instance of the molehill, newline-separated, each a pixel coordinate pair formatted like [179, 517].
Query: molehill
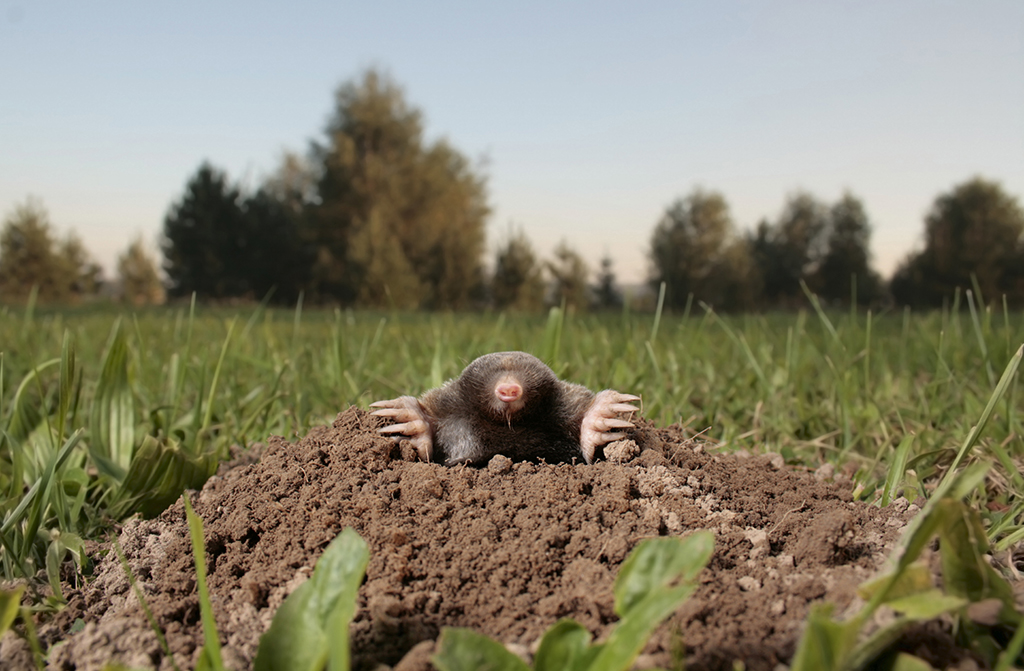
[507, 549]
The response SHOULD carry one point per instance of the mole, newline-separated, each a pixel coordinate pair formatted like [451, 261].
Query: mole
[508, 403]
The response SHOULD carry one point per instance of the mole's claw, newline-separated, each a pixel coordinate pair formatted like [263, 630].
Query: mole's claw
[610, 437]
[604, 423]
[413, 428]
[400, 414]
[412, 423]
[599, 421]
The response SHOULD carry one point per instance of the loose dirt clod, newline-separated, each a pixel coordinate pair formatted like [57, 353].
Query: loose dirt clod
[506, 549]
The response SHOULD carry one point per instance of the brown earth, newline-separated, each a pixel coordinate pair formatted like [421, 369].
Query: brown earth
[507, 549]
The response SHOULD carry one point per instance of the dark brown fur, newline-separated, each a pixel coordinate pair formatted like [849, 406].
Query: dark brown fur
[467, 426]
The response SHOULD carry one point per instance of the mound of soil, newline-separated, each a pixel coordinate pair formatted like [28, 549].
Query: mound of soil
[506, 549]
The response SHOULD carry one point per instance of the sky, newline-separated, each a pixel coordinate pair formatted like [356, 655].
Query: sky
[588, 118]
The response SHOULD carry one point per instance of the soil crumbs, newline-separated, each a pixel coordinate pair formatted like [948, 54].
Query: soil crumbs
[506, 549]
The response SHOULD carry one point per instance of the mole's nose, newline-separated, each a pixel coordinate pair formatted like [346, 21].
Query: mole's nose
[508, 392]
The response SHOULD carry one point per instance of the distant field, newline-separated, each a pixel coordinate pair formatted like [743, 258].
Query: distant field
[845, 388]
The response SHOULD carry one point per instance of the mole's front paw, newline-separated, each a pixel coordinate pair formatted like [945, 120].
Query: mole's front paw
[602, 418]
[413, 423]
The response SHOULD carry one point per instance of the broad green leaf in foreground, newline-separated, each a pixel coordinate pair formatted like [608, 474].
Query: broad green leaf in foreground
[311, 626]
[926, 605]
[965, 571]
[905, 662]
[10, 601]
[644, 595]
[565, 647]
[466, 650]
[914, 579]
[158, 475]
[112, 412]
[658, 562]
[826, 644]
[652, 583]
[968, 579]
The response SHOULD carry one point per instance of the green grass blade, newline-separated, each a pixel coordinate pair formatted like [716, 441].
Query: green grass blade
[260, 310]
[30, 309]
[41, 500]
[552, 344]
[208, 418]
[978, 335]
[211, 639]
[112, 413]
[658, 312]
[297, 323]
[825, 644]
[741, 342]
[67, 376]
[822, 317]
[972, 438]
[19, 511]
[897, 468]
[1009, 655]
[25, 414]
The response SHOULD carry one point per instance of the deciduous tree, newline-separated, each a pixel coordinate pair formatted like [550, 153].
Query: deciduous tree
[85, 274]
[383, 191]
[974, 230]
[694, 250]
[845, 272]
[518, 282]
[138, 276]
[31, 256]
[791, 249]
[569, 275]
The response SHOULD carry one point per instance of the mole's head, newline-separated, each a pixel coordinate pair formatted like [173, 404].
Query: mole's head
[506, 386]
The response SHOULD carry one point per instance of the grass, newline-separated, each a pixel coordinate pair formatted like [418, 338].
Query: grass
[104, 413]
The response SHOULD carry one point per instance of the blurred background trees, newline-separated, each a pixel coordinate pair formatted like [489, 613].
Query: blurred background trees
[607, 294]
[844, 274]
[517, 282]
[376, 215]
[32, 258]
[205, 238]
[396, 220]
[138, 276]
[695, 251]
[973, 231]
[790, 250]
[570, 279]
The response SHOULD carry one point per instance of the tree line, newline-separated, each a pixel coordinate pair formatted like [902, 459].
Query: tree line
[374, 215]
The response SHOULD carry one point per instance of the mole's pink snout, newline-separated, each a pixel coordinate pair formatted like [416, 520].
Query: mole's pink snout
[508, 392]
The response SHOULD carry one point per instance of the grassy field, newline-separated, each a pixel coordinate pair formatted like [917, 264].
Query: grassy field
[106, 412]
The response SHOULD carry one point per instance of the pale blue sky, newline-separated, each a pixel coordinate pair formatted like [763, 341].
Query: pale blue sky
[592, 116]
